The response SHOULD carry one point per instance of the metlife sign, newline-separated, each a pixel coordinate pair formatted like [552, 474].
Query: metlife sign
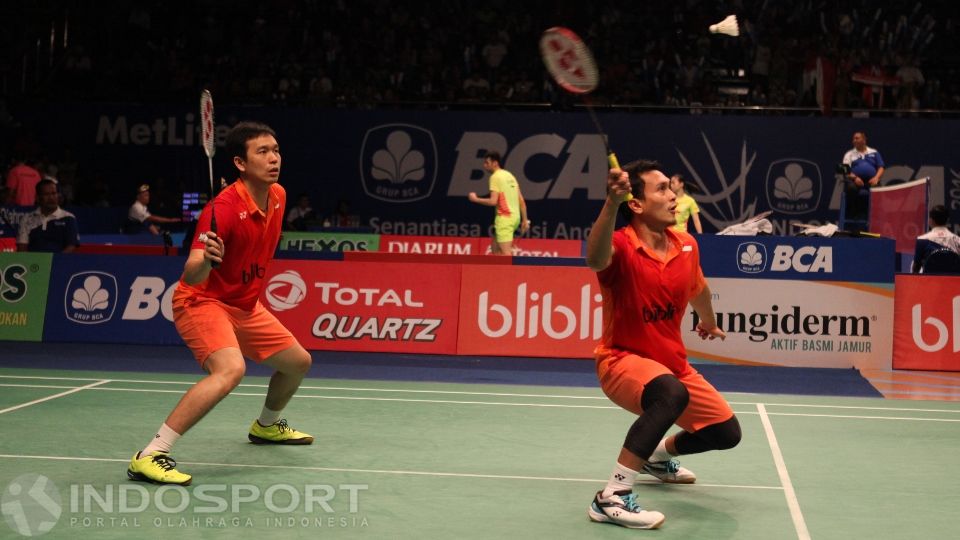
[860, 260]
[112, 299]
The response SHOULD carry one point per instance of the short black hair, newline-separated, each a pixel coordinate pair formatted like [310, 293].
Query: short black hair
[43, 183]
[635, 170]
[939, 215]
[492, 156]
[237, 137]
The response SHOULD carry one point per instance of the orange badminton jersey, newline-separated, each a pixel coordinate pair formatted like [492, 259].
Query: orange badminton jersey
[644, 297]
[250, 237]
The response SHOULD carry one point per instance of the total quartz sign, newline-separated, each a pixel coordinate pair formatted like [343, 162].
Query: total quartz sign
[377, 307]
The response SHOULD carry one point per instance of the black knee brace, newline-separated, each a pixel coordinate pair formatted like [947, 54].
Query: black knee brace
[663, 400]
[721, 436]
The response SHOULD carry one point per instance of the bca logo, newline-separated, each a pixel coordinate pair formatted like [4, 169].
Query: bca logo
[751, 257]
[398, 163]
[91, 297]
[804, 259]
[285, 291]
[794, 186]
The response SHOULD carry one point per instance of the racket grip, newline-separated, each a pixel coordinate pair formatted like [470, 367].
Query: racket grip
[612, 161]
[213, 229]
[615, 164]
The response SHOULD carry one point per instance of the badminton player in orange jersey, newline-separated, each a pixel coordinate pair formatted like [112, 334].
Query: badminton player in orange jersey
[217, 311]
[648, 273]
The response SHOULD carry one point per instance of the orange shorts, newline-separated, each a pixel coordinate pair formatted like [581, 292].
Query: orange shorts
[208, 325]
[624, 376]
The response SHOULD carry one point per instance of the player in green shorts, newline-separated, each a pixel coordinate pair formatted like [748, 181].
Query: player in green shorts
[505, 196]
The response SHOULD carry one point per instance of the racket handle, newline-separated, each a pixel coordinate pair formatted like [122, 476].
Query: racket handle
[612, 161]
[615, 164]
[213, 229]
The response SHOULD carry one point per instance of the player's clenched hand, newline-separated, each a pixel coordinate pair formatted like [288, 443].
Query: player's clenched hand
[213, 246]
[710, 332]
[618, 185]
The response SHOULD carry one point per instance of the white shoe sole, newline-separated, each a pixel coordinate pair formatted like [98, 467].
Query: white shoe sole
[600, 517]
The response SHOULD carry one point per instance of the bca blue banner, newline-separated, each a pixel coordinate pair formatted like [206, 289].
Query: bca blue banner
[112, 299]
[862, 260]
[410, 172]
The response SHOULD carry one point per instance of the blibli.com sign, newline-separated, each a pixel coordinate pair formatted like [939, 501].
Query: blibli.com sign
[861, 260]
[116, 299]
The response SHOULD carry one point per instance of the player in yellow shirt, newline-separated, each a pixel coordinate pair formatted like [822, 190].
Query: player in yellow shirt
[505, 196]
[686, 206]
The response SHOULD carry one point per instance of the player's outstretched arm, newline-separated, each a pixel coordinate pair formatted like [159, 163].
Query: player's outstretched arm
[600, 241]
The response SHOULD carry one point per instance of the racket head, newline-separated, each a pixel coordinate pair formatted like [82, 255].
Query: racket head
[568, 60]
[207, 123]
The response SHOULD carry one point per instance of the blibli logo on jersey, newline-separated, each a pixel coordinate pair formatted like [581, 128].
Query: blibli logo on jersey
[398, 163]
[91, 297]
[751, 257]
[794, 186]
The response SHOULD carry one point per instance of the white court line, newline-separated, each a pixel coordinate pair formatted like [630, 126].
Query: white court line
[857, 407]
[792, 503]
[36, 386]
[373, 471]
[541, 405]
[456, 392]
[336, 388]
[55, 396]
[858, 417]
[403, 400]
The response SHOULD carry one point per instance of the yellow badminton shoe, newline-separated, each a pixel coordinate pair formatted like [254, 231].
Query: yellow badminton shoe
[158, 468]
[279, 433]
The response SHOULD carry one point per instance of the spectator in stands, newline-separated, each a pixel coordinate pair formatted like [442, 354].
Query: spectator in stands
[937, 238]
[686, 207]
[342, 216]
[22, 180]
[505, 196]
[139, 218]
[863, 167]
[49, 228]
[299, 216]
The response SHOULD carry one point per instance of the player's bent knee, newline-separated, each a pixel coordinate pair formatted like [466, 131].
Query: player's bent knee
[230, 378]
[667, 392]
[303, 363]
[726, 434]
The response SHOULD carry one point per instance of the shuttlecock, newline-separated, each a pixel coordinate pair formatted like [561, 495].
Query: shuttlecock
[727, 26]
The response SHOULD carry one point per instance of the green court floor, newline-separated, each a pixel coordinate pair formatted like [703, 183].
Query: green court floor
[432, 460]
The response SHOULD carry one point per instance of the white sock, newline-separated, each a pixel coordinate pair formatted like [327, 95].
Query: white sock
[162, 441]
[621, 479]
[661, 454]
[268, 417]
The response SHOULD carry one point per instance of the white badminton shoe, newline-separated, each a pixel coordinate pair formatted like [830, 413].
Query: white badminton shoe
[621, 508]
[669, 472]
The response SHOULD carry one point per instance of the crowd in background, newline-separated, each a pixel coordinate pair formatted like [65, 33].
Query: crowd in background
[372, 53]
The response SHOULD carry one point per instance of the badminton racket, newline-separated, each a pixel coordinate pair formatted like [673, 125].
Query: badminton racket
[209, 148]
[571, 64]
[206, 130]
